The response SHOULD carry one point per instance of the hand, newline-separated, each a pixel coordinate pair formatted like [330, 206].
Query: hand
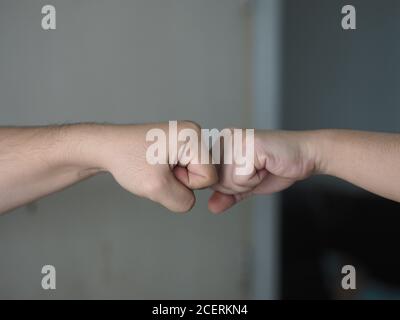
[280, 159]
[38, 161]
[124, 156]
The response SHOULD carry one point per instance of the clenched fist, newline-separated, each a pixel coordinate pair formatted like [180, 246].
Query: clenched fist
[369, 160]
[38, 161]
[280, 159]
[172, 181]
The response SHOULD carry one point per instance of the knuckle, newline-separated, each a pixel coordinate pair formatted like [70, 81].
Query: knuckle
[241, 181]
[224, 182]
[154, 186]
[212, 177]
[206, 182]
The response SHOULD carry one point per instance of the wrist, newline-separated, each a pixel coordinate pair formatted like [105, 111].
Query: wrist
[82, 146]
[320, 149]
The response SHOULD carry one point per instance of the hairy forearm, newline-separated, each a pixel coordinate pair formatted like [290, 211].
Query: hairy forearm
[366, 159]
[37, 161]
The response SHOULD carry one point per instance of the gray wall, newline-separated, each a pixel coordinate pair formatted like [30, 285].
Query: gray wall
[122, 61]
[340, 79]
[266, 102]
[336, 78]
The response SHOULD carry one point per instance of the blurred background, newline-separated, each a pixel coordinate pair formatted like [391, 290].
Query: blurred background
[275, 64]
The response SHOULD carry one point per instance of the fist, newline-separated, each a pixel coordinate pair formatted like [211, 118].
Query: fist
[171, 181]
[280, 159]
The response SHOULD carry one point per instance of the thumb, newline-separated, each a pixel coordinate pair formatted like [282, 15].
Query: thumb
[219, 202]
[172, 194]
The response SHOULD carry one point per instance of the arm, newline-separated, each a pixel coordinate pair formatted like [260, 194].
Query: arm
[368, 160]
[37, 161]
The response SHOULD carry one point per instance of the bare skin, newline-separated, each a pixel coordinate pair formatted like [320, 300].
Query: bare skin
[35, 162]
[38, 161]
[366, 159]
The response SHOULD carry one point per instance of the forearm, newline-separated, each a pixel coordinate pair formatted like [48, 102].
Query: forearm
[368, 160]
[35, 162]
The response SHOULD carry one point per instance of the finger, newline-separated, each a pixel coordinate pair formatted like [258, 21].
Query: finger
[197, 176]
[249, 181]
[173, 195]
[220, 202]
[272, 184]
[220, 188]
[200, 172]
[230, 183]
